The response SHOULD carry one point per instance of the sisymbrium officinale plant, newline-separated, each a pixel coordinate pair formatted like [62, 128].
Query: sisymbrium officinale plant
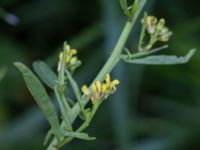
[62, 130]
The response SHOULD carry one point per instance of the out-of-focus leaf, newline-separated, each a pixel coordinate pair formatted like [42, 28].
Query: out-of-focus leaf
[40, 95]
[45, 73]
[9, 17]
[163, 59]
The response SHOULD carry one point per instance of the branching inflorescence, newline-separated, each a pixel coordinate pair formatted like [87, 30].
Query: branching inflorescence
[152, 31]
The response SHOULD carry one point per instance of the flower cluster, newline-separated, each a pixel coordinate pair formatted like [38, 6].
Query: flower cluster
[157, 28]
[70, 59]
[100, 91]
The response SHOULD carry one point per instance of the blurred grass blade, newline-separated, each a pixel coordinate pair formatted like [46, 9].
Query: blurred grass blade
[3, 71]
[163, 59]
[40, 95]
[45, 73]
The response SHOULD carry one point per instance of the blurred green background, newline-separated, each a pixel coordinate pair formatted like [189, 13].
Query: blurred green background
[155, 108]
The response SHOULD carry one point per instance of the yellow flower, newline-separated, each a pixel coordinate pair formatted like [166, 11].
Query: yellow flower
[100, 91]
[157, 28]
[71, 61]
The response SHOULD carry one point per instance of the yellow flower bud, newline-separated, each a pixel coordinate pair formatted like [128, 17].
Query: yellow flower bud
[94, 100]
[151, 24]
[165, 35]
[67, 59]
[73, 61]
[115, 82]
[61, 56]
[85, 90]
[94, 88]
[98, 86]
[107, 78]
[104, 88]
[67, 47]
[161, 24]
[73, 51]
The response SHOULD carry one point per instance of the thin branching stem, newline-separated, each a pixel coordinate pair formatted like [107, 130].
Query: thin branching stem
[108, 67]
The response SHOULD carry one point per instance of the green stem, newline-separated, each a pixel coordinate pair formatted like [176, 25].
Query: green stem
[84, 125]
[142, 54]
[110, 64]
[63, 107]
[113, 59]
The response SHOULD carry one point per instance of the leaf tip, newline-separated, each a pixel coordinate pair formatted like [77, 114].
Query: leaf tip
[190, 54]
[17, 64]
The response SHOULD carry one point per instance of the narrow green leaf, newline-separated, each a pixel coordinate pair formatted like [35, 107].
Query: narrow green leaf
[47, 138]
[123, 4]
[125, 8]
[45, 73]
[135, 7]
[41, 97]
[83, 136]
[77, 93]
[163, 60]
[74, 86]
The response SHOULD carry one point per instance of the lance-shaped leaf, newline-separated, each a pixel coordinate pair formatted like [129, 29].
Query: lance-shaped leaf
[76, 92]
[41, 97]
[163, 59]
[45, 73]
[74, 86]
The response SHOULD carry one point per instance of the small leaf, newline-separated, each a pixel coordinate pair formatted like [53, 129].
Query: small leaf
[124, 6]
[135, 7]
[40, 95]
[83, 136]
[74, 86]
[47, 138]
[45, 73]
[76, 91]
[162, 59]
